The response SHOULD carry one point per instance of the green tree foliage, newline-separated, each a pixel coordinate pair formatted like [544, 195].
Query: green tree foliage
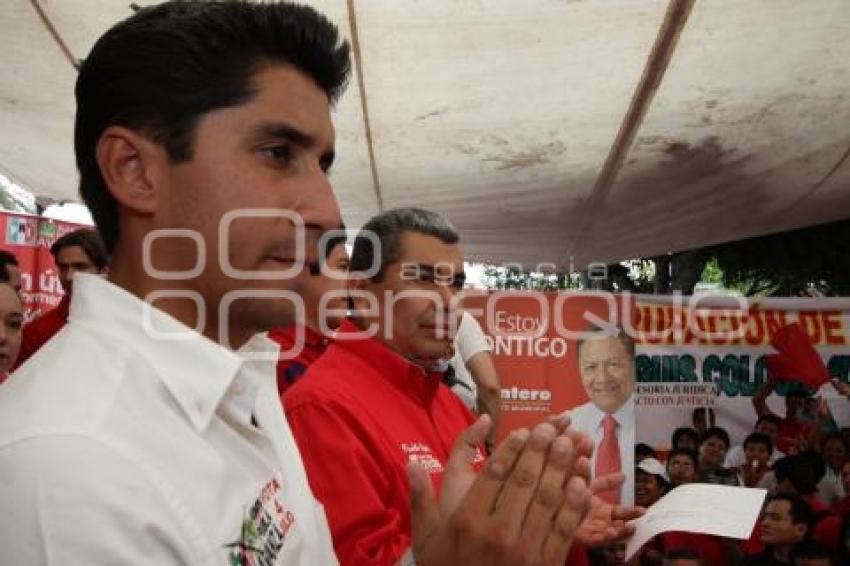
[806, 262]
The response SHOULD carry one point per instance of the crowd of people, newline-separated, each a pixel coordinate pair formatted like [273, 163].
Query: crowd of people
[805, 519]
[250, 394]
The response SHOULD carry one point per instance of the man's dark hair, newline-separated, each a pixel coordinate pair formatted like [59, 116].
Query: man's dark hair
[716, 432]
[160, 70]
[6, 259]
[797, 470]
[644, 450]
[759, 438]
[683, 431]
[86, 238]
[771, 418]
[710, 417]
[811, 550]
[684, 452]
[387, 229]
[801, 512]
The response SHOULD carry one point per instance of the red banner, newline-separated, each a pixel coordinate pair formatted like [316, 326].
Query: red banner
[29, 238]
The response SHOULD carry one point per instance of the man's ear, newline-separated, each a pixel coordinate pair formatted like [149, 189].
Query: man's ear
[134, 168]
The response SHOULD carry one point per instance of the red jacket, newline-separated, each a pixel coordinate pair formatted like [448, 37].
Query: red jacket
[39, 331]
[359, 415]
[292, 369]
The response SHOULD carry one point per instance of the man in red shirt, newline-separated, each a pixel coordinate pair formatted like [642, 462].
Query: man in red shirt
[81, 251]
[794, 433]
[371, 406]
[324, 303]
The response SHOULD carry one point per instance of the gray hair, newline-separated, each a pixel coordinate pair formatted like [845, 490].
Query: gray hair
[386, 229]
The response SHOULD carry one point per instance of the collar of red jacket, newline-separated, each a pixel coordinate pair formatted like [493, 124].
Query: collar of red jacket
[286, 336]
[397, 369]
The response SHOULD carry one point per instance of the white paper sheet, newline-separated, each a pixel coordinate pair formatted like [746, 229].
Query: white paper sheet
[700, 508]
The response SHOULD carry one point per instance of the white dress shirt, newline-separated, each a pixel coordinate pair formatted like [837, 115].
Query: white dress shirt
[121, 447]
[588, 418]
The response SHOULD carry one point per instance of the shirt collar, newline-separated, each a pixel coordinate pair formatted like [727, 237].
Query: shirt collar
[411, 378]
[623, 415]
[286, 336]
[195, 370]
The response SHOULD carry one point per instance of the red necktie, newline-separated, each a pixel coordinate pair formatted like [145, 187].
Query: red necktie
[608, 457]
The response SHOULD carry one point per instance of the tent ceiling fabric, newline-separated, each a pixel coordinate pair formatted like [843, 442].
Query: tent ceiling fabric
[501, 114]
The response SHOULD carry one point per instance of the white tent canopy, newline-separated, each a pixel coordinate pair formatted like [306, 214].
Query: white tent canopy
[513, 118]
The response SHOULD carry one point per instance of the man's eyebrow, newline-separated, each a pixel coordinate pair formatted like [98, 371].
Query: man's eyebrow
[283, 131]
[287, 132]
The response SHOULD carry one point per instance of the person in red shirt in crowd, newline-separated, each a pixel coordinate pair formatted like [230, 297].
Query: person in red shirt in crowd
[324, 302]
[787, 520]
[11, 321]
[81, 251]
[795, 434]
[370, 406]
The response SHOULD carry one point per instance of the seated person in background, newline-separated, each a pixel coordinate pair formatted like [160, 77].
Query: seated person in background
[757, 451]
[10, 270]
[812, 553]
[643, 451]
[703, 418]
[651, 483]
[798, 475]
[684, 438]
[610, 555]
[768, 425]
[794, 433]
[682, 466]
[81, 251]
[712, 452]
[11, 321]
[476, 380]
[787, 520]
[324, 309]
[834, 453]
[681, 557]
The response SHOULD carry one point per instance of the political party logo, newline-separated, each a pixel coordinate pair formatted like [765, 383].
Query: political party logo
[21, 231]
[263, 531]
[422, 455]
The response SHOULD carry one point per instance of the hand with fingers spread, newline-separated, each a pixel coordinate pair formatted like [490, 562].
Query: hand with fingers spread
[606, 523]
[524, 507]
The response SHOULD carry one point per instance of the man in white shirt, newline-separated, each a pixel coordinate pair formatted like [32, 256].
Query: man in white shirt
[606, 367]
[149, 431]
[477, 382]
